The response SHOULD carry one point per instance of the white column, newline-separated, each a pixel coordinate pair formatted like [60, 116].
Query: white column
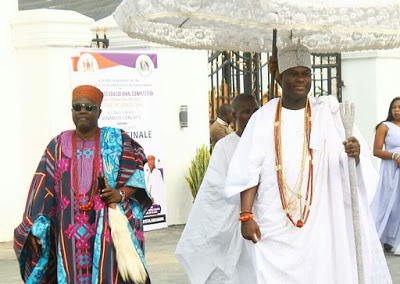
[10, 117]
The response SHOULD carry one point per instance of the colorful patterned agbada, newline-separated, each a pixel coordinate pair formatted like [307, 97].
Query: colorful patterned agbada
[76, 244]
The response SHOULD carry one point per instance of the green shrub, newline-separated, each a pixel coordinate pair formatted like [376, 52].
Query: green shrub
[197, 170]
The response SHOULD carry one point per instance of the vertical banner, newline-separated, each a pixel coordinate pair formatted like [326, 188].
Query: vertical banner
[129, 81]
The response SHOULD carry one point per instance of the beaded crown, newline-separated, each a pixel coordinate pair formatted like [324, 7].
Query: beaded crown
[293, 56]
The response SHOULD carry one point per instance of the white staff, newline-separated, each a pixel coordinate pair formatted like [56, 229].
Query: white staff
[347, 114]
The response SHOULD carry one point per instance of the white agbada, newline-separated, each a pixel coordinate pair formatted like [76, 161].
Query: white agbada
[211, 247]
[322, 251]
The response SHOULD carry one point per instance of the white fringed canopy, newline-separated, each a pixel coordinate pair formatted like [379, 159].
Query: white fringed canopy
[246, 25]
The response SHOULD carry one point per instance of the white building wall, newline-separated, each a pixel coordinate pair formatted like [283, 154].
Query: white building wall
[387, 70]
[184, 81]
[369, 82]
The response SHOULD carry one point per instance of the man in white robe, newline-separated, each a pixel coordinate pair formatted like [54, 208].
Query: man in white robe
[321, 249]
[154, 182]
[210, 248]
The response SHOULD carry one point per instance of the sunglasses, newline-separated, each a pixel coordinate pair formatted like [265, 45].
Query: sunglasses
[89, 107]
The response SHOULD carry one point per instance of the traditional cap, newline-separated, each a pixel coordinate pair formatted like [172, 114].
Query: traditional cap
[89, 92]
[293, 56]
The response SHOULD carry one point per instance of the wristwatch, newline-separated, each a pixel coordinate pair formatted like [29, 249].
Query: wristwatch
[122, 193]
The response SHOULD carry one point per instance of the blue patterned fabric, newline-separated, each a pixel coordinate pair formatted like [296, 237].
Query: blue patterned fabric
[111, 145]
[137, 180]
[41, 229]
[111, 149]
[136, 209]
[61, 275]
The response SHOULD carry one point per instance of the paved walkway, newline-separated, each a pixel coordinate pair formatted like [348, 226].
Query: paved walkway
[163, 266]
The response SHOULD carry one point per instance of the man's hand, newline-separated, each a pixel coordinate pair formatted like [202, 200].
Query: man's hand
[352, 148]
[34, 244]
[273, 68]
[109, 194]
[250, 230]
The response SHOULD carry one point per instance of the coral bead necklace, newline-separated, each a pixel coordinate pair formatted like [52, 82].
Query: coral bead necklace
[284, 189]
[85, 206]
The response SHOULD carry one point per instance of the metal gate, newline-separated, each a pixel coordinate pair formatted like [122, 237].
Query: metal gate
[232, 73]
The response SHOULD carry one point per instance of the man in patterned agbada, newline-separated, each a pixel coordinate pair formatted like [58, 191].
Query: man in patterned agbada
[65, 234]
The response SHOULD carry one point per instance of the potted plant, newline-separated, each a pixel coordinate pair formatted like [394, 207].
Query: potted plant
[197, 169]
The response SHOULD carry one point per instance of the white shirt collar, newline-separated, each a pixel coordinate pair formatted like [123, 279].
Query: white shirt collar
[222, 122]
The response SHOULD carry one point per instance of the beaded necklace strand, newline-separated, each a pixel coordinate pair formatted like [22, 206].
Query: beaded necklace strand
[284, 188]
[88, 206]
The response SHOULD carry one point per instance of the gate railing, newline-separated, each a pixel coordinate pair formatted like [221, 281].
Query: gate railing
[233, 72]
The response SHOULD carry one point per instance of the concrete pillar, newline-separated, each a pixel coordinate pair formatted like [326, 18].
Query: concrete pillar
[11, 122]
